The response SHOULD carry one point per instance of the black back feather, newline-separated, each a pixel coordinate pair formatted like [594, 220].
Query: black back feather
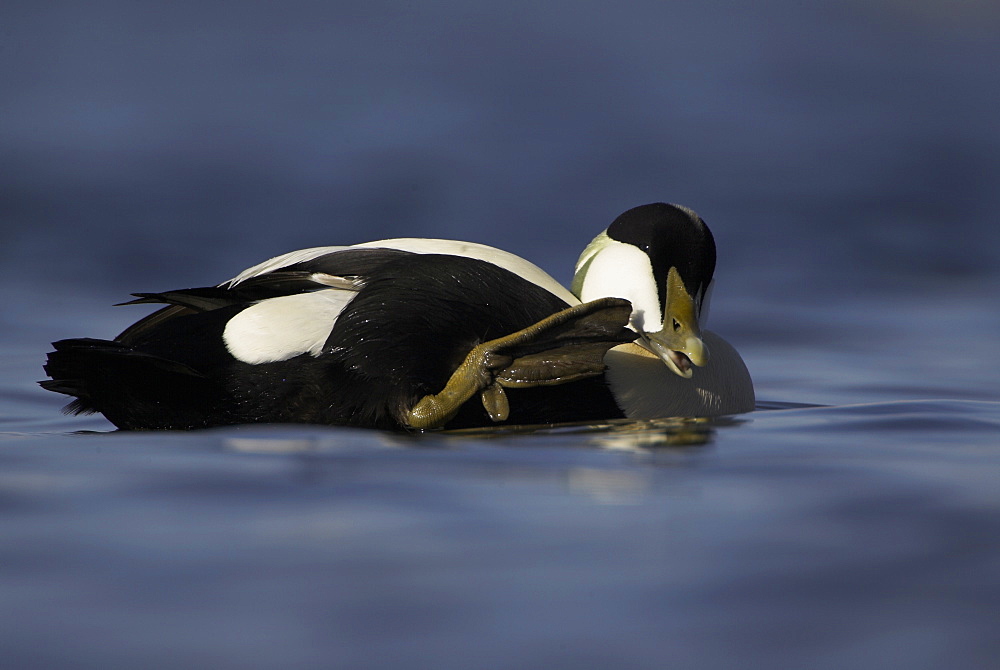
[411, 326]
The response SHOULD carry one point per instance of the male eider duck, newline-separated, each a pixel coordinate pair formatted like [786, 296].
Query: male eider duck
[419, 333]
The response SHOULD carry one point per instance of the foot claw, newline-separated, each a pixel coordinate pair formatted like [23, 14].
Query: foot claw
[495, 402]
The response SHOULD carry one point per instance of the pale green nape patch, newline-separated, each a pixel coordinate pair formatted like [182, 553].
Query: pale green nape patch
[586, 258]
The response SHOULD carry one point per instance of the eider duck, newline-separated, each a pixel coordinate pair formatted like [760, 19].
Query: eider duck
[419, 333]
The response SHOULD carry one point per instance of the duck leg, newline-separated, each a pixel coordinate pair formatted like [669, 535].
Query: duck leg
[561, 348]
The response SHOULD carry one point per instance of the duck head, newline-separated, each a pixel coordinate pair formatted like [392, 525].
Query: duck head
[661, 258]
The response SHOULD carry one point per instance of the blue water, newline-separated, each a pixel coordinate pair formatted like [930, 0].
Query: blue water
[847, 158]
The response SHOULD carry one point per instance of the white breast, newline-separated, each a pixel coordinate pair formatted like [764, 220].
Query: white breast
[646, 389]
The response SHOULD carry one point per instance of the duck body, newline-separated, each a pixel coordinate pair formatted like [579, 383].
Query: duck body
[358, 335]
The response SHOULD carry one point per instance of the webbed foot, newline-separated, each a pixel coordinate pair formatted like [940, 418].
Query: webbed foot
[561, 348]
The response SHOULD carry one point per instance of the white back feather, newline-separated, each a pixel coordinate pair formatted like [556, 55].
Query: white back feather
[498, 257]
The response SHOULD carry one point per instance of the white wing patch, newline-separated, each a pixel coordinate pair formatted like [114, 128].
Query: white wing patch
[498, 257]
[277, 329]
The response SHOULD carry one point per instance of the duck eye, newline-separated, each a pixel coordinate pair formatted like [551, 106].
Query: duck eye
[677, 325]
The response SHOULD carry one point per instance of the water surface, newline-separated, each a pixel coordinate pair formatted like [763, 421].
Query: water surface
[847, 159]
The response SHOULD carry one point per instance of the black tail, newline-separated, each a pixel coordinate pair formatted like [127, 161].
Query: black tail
[128, 386]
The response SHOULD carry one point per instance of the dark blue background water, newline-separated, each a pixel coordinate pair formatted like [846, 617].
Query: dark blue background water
[847, 157]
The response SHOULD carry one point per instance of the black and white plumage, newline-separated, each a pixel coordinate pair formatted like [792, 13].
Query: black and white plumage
[358, 335]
